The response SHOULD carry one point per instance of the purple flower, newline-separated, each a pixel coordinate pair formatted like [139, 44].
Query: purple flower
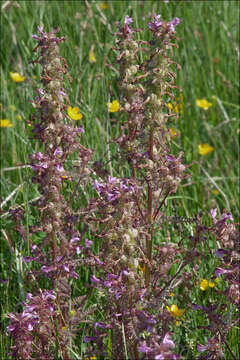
[95, 280]
[220, 271]
[48, 295]
[78, 250]
[128, 20]
[74, 274]
[227, 216]
[221, 252]
[173, 23]
[168, 341]
[61, 92]
[40, 92]
[41, 165]
[201, 348]
[143, 348]
[80, 129]
[101, 325]
[48, 269]
[88, 243]
[89, 338]
[74, 239]
[58, 152]
[213, 213]
[156, 24]
[170, 158]
[59, 168]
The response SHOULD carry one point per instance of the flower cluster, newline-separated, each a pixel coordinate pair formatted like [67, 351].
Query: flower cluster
[57, 257]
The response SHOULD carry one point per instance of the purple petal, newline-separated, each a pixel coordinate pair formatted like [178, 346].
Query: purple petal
[59, 168]
[74, 239]
[128, 20]
[213, 213]
[88, 243]
[221, 252]
[80, 129]
[58, 151]
[30, 327]
[95, 280]
[89, 338]
[220, 271]
[201, 348]
[144, 348]
[168, 341]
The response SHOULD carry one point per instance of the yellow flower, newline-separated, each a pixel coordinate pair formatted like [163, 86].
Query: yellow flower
[175, 311]
[91, 57]
[72, 312]
[204, 149]
[103, 5]
[173, 132]
[215, 192]
[211, 284]
[177, 107]
[203, 104]
[205, 284]
[74, 113]
[142, 268]
[171, 294]
[113, 106]
[16, 77]
[18, 117]
[5, 123]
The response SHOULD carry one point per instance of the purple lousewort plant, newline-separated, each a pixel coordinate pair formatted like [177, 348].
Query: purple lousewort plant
[42, 330]
[126, 210]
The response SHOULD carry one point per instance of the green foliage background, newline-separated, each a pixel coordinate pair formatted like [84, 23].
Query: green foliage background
[209, 56]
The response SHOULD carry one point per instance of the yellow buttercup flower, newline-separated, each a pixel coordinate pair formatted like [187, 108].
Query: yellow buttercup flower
[5, 123]
[177, 106]
[203, 104]
[204, 149]
[16, 77]
[205, 284]
[173, 132]
[74, 113]
[103, 5]
[91, 57]
[175, 311]
[113, 106]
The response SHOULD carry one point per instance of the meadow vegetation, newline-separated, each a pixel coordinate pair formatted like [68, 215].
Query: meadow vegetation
[119, 180]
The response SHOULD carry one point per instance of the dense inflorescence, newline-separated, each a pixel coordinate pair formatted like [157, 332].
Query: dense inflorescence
[40, 325]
